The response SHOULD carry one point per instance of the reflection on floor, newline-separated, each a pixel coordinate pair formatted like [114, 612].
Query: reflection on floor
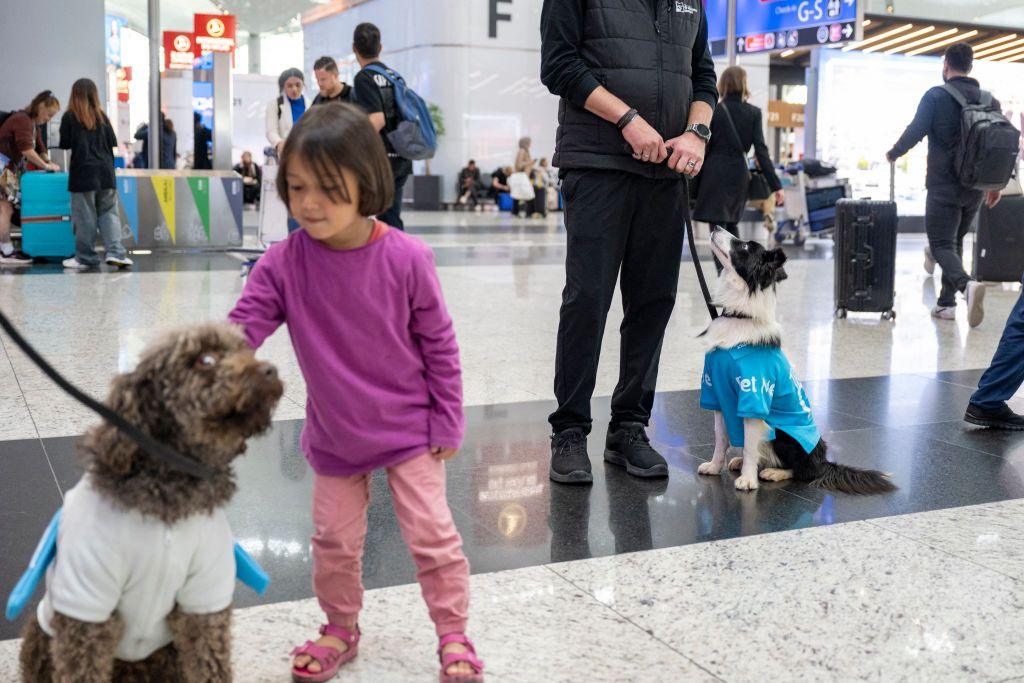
[679, 579]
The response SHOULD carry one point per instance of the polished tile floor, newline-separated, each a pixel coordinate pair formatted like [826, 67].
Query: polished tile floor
[628, 580]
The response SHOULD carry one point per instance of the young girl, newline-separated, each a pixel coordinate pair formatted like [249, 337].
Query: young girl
[86, 131]
[378, 352]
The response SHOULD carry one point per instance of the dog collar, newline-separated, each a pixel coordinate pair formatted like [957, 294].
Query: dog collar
[738, 316]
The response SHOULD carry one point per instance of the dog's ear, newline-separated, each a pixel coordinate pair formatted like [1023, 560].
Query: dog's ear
[780, 274]
[777, 256]
[133, 396]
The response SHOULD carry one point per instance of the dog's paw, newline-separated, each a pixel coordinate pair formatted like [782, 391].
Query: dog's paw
[744, 483]
[711, 468]
[736, 464]
[775, 474]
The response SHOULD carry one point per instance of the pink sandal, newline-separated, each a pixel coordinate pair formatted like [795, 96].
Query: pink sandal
[455, 657]
[329, 659]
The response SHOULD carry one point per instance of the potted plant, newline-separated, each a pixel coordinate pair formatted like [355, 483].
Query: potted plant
[426, 188]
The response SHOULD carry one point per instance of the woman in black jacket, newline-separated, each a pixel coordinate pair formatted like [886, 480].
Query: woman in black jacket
[723, 184]
[168, 144]
[86, 131]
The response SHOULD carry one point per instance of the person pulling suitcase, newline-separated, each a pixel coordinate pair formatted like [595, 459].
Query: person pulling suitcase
[972, 150]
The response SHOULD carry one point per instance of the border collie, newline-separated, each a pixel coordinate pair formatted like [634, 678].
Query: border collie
[749, 383]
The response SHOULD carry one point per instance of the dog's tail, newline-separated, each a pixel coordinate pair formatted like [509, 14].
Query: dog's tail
[853, 480]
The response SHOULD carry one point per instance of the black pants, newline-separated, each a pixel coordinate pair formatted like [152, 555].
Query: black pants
[614, 221]
[948, 215]
[393, 216]
[734, 230]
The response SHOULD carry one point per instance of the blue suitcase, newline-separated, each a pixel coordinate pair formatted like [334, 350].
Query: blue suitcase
[46, 230]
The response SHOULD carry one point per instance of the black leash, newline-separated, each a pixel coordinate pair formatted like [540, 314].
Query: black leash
[688, 223]
[158, 450]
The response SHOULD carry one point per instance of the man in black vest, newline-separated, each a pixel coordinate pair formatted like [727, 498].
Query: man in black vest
[638, 89]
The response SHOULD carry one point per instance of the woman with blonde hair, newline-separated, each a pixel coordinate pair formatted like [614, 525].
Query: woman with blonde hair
[86, 131]
[523, 158]
[725, 184]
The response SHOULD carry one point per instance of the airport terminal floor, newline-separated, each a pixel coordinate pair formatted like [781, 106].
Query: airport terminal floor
[684, 579]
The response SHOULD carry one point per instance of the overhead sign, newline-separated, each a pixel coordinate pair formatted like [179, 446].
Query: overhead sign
[765, 25]
[180, 50]
[783, 114]
[215, 32]
[124, 79]
[717, 13]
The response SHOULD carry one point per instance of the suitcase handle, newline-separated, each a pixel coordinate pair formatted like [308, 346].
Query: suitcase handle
[892, 181]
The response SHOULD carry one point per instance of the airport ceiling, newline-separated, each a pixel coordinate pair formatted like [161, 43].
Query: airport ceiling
[254, 16]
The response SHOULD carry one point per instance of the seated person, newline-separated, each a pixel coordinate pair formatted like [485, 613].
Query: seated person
[499, 182]
[469, 182]
[251, 178]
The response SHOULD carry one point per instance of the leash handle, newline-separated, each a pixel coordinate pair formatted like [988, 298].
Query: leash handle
[158, 450]
[688, 226]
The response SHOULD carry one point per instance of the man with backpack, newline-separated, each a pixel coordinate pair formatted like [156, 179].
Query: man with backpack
[375, 92]
[969, 160]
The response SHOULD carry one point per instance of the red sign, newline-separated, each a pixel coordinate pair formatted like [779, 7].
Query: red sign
[180, 50]
[215, 32]
[124, 77]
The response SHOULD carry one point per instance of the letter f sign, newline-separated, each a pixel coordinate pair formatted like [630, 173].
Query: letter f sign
[495, 16]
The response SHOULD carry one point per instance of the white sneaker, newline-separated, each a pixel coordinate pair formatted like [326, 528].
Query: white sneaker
[975, 294]
[123, 262]
[929, 261]
[74, 264]
[944, 312]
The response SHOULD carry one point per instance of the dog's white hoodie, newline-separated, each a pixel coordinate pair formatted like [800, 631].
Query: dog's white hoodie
[114, 560]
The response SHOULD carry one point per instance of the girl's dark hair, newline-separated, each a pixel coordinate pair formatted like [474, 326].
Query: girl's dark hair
[338, 136]
[43, 99]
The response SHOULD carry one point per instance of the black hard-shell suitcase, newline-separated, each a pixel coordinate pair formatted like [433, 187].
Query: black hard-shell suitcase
[865, 254]
[999, 244]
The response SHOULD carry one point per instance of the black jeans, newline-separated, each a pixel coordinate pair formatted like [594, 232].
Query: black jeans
[616, 221]
[948, 215]
[393, 216]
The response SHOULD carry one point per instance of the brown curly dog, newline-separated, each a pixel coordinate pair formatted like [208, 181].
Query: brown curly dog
[141, 586]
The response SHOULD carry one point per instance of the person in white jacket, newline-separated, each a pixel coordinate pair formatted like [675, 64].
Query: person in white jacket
[284, 110]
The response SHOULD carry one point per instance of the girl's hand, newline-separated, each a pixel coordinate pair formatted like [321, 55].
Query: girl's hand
[442, 453]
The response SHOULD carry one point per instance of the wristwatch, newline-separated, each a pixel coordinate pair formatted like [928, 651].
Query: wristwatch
[700, 130]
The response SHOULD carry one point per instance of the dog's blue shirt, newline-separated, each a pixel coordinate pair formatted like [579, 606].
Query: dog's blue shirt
[757, 382]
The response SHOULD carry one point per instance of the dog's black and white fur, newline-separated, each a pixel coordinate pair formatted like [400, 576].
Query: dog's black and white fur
[747, 294]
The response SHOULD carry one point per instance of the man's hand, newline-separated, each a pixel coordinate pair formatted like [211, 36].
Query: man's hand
[687, 154]
[442, 453]
[992, 198]
[646, 143]
[890, 157]
[780, 198]
[278, 147]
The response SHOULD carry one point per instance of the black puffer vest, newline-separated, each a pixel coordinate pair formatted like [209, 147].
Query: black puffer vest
[646, 61]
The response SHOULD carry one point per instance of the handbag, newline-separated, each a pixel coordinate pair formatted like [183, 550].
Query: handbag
[758, 188]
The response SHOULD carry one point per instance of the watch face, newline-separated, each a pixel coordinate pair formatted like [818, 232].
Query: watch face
[702, 130]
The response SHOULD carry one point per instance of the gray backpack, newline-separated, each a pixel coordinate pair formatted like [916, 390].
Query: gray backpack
[986, 153]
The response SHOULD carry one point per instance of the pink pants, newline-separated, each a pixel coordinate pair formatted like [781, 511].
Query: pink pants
[339, 516]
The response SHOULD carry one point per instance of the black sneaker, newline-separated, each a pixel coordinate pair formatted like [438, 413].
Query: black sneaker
[570, 463]
[16, 258]
[998, 418]
[628, 446]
